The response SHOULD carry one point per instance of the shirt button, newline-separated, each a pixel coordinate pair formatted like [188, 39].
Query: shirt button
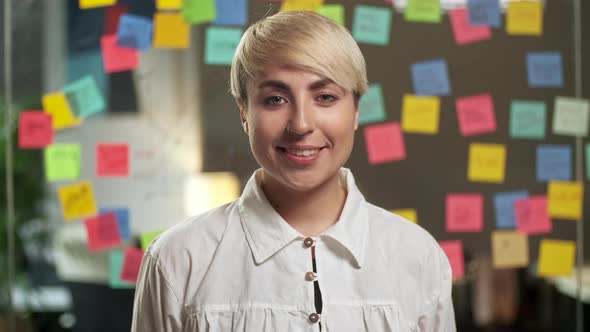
[314, 318]
[308, 242]
[310, 276]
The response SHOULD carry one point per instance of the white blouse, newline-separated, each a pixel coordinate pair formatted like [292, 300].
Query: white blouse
[242, 267]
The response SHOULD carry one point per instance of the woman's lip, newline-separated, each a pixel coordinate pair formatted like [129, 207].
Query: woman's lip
[300, 160]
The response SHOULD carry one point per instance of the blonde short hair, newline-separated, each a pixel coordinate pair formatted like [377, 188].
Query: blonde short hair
[302, 39]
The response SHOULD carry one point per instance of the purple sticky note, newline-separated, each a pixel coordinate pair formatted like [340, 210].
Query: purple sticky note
[544, 69]
[554, 162]
[464, 212]
[532, 216]
[476, 114]
[431, 78]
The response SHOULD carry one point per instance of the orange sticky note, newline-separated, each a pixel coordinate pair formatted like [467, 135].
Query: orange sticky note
[87, 4]
[531, 215]
[454, 251]
[565, 199]
[420, 114]
[476, 114]
[524, 18]
[171, 31]
[464, 32]
[487, 162]
[464, 212]
[385, 143]
[556, 258]
[409, 214]
[34, 130]
[103, 232]
[77, 200]
[116, 58]
[112, 160]
[131, 264]
[510, 249]
[57, 106]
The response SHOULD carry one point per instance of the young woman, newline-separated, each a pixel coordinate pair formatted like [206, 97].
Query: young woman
[301, 250]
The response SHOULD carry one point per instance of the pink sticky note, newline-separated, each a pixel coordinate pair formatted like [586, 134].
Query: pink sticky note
[115, 58]
[532, 216]
[131, 264]
[476, 114]
[464, 32]
[34, 130]
[464, 212]
[384, 143]
[112, 160]
[103, 232]
[454, 252]
[112, 15]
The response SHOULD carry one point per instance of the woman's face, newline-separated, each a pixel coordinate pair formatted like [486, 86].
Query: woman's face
[300, 125]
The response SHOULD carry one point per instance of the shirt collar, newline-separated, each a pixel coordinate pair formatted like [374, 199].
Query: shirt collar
[267, 232]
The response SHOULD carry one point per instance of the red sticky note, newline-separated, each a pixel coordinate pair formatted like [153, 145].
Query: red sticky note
[111, 20]
[115, 58]
[464, 32]
[532, 216]
[34, 130]
[476, 114]
[385, 143]
[131, 264]
[103, 232]
[464, 212]
[112, 160]
[454, 252]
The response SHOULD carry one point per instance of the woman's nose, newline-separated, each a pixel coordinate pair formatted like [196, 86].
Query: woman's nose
[301, 121]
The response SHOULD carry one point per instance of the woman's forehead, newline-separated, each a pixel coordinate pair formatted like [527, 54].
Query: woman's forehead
[288, 75]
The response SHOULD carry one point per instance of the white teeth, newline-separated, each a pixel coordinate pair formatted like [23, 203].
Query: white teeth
[304, 153]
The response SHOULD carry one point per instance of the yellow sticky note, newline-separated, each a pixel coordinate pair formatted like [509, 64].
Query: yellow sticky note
[77, 200]
[486, 162]
[510, 249]
[57, 105]
[565, 199]
[171, 31]
[525, 18]
[169, 4]
[306, 5]
[409, 214]
[556, 258]
[206, 191]
[420, 114]
[86, 4]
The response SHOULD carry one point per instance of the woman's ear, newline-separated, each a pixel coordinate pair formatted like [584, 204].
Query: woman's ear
[244, 119]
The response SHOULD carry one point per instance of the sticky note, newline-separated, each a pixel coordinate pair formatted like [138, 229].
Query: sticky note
[527, 119]
[57, 106]
[371, 105]
[371, 25]
[476, 114]
[122, 217]
[487, 162]
[531, 215]
[221, 45]
[544, 69]
[464, 32]
[34, 130]
[171, 31]
[385, 143]
[409, 214]
[505, 209]
[510, 249]
[231, 12]
[84, 97]
[334, 12]
[454, 251]
[420, 114]
[554, 162]
[147, 238]
[565, 199]
[588, 161]
[168, 4]
[77, 200]
[464, 212]
[131, 264]
[425, 11]
[301, 5]
[112, 16]
[112, 159]
[115, 267]
[431, 78]
[524, 18]
[556, 258]
[116, 58]
[87, 4]
[135, 31]
[62, 162]
[570, 116]
[88, 63]
[102, 232]
[199, 11]
[484, 12]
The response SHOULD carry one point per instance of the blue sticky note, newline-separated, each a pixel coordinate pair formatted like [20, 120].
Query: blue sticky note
[371, 105]
[89, 62]
[122, 215]
[231, 12]
[554, 162]
[484, 12]
[371, 25]
[135, 31]
[527, 119]
[115, 265]
[588, 161]
[84, 97]
[504, 207]
[431, 78]
[221, 45]
[544, 69]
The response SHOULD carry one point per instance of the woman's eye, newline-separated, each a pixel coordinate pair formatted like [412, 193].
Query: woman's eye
[274, 100]
[326, 98]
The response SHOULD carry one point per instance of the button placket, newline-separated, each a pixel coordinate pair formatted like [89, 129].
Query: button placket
[311, 276]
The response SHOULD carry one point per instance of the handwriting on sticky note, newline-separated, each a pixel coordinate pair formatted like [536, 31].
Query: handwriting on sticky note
[420, 114]
[464, 212]
[554, 162]
[62, 162]
[431, 78]
[524, 18]
[77, 200]
[487, 162]
[171, 31]
[556, 258]
[34, 130]
[505, 209]
[199, 11]
[565, 199]
[371, 25]
[87, 4]
[454, 251]
[116, 58]
[531, 215]
[147, 238]
[112, 159]
[409, 214]
[135, 31]
[231, 12]
[57, 105]
[465, 33]
[103, 232]
[301, 5]
[334, 12]
[115, 267]
[385, 143]
[426, 11]
[131, 264]
[571, 116]
[84, 97]
[527, 119]
[510, 249]
[484, 12]
[221, 45]
[476, 114]
[371, 105]
[544, 69]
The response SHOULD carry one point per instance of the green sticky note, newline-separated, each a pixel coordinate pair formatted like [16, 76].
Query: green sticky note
[371, 106]
[426, 11]
[147, 238]
[527, 119]
[62, 162]
[333, 11]
[371, 25]
[115, 266]
[571, 116]
[84, 97]
[588, 161]
[199, 11]
[221, 45]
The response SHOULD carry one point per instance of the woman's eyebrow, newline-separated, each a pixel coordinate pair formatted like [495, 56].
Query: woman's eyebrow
[284, 86]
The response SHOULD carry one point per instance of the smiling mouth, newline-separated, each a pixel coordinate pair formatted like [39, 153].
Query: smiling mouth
[301, 152]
